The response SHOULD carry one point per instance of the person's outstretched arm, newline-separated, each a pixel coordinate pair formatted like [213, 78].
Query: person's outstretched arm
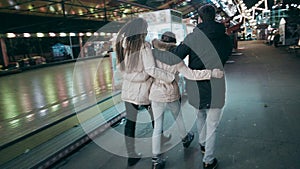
[198, 74]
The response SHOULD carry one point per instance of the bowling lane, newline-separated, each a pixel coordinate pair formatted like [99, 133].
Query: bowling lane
[32, 99]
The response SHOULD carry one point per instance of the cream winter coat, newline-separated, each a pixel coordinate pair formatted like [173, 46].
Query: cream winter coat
[136, 84]
[163, 91]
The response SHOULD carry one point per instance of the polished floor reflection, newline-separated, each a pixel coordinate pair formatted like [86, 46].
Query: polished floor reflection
[33, 99]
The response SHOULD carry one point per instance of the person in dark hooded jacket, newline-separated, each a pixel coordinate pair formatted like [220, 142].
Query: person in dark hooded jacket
[208, 47]
[166, 96]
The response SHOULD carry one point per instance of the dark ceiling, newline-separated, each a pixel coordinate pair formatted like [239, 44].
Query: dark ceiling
[18, 23]
[19, 16]
[84, 15]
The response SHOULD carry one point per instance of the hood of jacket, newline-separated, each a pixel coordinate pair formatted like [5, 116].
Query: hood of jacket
[212, 29]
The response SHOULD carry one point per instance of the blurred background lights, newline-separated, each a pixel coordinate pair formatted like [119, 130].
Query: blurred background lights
[17, 7]
[72, 34]
[88, 34]
[62, 34]
[51, 8]
[26, 35]
[11, 35]
[51, 34]
[11, 2]
[40, 35]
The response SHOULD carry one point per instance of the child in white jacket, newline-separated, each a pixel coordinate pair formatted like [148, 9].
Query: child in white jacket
[166, 96]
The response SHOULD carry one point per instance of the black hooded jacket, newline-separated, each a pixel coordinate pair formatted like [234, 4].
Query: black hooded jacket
[208, 47]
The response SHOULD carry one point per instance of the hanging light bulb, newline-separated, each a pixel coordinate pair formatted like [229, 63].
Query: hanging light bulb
[51, 8]
[72, 34]
[11, 35]
[40, 35]
[51, 34]
[62, 34]
[26, 35]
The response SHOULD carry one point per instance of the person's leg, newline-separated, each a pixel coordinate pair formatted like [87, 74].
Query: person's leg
[176, 111]
[148, 107]
[187, 137]
[164, 138]
[158, 110]
[131, 115]
[201, 126]
[212, 122]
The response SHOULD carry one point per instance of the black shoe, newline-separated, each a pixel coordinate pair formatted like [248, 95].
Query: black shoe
[212, 165]
[202, 149]
[165, 138]
[158, 163]
[187, 140]
[133, 160]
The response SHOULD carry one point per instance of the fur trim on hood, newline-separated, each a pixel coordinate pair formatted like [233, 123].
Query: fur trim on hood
[162, 45]
[161, 53]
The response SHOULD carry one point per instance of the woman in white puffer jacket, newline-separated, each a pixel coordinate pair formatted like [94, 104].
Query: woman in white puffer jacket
[136, 63]
[166, 96]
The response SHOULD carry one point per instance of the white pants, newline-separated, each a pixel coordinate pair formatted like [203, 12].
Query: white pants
[207, 123]
[158, 109]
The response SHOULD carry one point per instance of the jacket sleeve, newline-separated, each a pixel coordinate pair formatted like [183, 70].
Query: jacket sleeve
[193, 74]
[152, 70]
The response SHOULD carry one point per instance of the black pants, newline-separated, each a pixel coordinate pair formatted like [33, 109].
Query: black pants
[131, 116]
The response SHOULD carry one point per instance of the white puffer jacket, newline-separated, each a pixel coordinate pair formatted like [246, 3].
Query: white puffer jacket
[136, 84]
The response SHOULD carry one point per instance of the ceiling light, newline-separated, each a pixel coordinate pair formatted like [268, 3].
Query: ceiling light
[72, 34]
[51, 34]
[11, 2]
[51, 8]
[59, 8]
[30, 7]
[11, 35]
[26, 35]
[88, 34]
[17, 7]
[62, 34]
[40, 35]
[127, 11]
[80, 12]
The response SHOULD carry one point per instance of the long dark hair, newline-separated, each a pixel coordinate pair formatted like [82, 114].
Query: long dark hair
[132, 36]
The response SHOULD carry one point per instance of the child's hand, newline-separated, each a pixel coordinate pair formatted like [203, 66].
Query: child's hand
[217, 73]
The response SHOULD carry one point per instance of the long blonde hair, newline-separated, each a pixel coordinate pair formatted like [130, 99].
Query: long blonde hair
[130, 40]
